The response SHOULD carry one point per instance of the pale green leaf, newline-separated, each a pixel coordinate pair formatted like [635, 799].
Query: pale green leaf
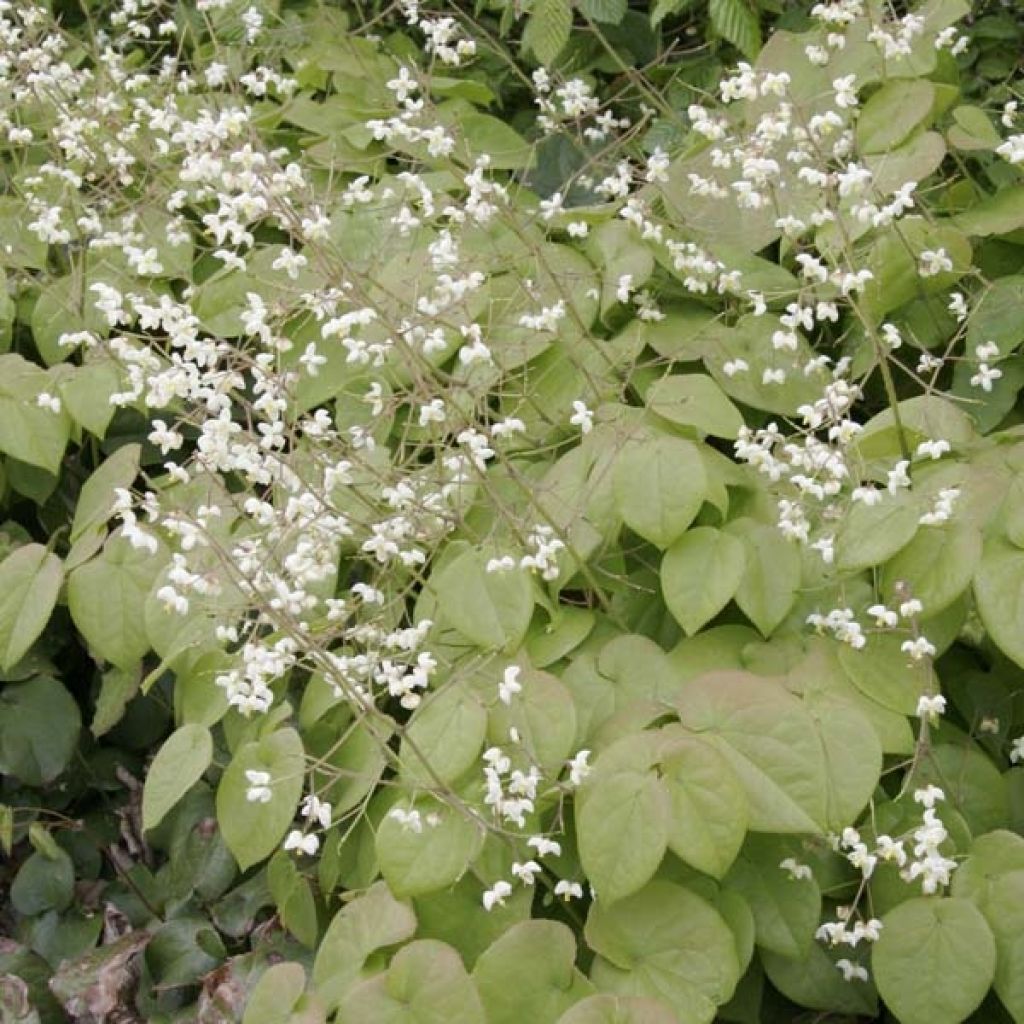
[30, 580]
[771, 742]
[736, 22]
[786, 910]
[934, 961]
[372, 921]
[664, 942]
[415, 862]
[892, 113]
[659, 486]
[622, 826]
[529, 974]
[105, 598]
[252, 830]
[179, 764]
[695, 400]
[937, 564]
[547, 31]
[708, 806]
[426, 983]
[699, 575]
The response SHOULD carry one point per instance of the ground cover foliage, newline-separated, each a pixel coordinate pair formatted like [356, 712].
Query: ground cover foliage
[512, 514]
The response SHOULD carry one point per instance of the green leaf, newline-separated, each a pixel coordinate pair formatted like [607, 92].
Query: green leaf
[999, 596]
[695, 400]
[664, 942]
[881, 671]
[253, 829]
[64, 307]
[105, 597]
[996, 316]
[771, 742]
[491, 609]
[971, 782]
[699, 575]
[547, 31]
[43, 883]
[39, 726]
[1004, 911]
[117, 688]
[938, 564]
[892, 113]
[934, 961]
[610, 12]
[871, 534]
[545, 717]
[425, 983]
[735, 22]
[995, 215]
[992, 855]
[274, 996]
[771, 578]
[96, 498]
[708, 805]
[86, 390]
[35, 435]
[622, 826]
[612, 1009]
[529, 974]
[414, 863]
[368, 923]
[852, 753]
[786, 909]
[444, 737]
[659, 486]
[973, 129]
[30, 580]
[293, 897]
[816, 982]
[179, 764]
[454, 916]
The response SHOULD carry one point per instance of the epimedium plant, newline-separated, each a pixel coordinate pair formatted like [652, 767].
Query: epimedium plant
[510, 534]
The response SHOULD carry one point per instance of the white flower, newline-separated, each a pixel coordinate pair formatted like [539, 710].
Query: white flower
[985, 377]
[582, 417]
[897, 476]
[510, 685]
[578, 768]
[911, 607]
[796, 870]
[891, 336]
[931, 707]
[544, 846]
[526, 872]
[259, 786]
[307, 844]
[933, 261]
[316, 809]
[569, 890]
[496, 895]
[411, 821]
[852, 971]
[986, 351]
[933, 449]
[928, 796]
[958, 306]
[733, 366]
[1017, 750]
[918, 649]
[884, 617]
[44, 400]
